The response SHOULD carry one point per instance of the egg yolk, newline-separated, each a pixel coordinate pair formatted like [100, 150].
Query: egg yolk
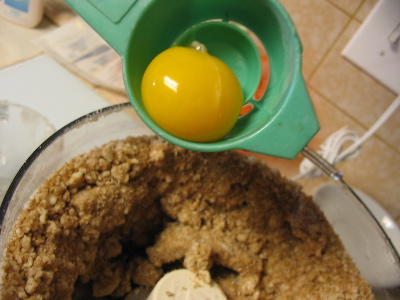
[191, 95]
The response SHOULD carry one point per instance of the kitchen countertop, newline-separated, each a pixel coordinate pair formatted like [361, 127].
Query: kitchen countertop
[16, 43]
[16, 46]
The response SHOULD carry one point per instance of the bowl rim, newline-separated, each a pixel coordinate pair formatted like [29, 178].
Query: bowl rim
[35, 154]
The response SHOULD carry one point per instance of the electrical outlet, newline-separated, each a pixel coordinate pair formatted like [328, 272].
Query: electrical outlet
[375, 47]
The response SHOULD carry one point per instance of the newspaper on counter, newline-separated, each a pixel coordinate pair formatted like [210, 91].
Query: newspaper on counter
[78, 47]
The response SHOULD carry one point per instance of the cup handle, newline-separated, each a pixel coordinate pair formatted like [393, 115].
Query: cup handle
[112, 20]
[291, 129]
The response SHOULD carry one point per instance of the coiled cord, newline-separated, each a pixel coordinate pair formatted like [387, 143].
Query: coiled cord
[332, 148]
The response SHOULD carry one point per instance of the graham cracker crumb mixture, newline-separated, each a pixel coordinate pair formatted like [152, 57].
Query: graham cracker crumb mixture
[120, 216]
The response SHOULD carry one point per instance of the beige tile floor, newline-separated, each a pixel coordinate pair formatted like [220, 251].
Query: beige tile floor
[15, 41]
[343, 95]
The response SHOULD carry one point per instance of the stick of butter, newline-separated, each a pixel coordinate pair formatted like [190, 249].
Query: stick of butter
[182, 284]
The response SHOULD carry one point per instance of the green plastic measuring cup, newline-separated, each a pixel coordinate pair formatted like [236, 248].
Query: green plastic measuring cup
[281, 123]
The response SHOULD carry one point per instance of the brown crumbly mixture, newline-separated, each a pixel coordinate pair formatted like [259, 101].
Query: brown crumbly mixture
[121, 215]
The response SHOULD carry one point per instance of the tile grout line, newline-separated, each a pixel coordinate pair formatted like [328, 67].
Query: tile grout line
[353, 119]
[329, 51]
[351, 15]
[351, 18]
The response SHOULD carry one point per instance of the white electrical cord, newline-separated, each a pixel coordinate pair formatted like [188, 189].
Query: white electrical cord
[331, 148]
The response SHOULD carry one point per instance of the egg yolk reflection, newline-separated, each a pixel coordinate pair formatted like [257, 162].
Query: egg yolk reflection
[191, 94]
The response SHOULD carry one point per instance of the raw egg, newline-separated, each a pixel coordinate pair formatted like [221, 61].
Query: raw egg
[191, 94]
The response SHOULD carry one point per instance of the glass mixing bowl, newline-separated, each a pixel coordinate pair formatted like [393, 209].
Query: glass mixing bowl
[22, 130]
[366, 240]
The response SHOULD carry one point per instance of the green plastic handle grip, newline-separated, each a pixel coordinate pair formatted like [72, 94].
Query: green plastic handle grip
[295, 124]
[112, 19]
[284, 135]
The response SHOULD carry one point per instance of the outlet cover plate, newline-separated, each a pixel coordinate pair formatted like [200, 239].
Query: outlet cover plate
[371, 49]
